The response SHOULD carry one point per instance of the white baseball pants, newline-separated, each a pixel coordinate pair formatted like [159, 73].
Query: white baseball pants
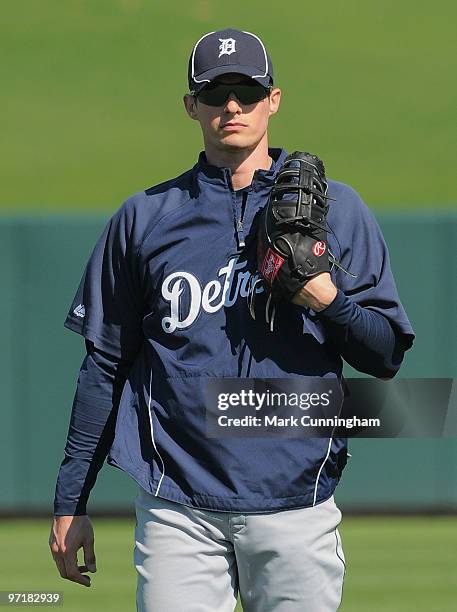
[191, 560]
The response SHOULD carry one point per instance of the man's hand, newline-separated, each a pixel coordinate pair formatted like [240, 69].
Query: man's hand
[318, 293]
[68, 535]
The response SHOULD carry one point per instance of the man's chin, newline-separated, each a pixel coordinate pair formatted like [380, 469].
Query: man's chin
[235, 142]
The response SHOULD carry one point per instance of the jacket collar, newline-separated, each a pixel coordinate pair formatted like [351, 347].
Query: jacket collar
[203, 171]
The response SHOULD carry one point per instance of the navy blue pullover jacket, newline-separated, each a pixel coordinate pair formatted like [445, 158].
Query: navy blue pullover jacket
[163, 301]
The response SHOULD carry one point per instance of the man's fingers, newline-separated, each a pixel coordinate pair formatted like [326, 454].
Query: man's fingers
[60, 565]
[89, 556]
[68, 535]
[71, 568]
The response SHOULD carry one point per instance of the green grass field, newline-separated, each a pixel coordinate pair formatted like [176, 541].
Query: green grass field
[91, 95]
[394, 565]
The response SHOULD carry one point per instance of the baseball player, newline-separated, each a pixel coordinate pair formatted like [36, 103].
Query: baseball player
[166, 304]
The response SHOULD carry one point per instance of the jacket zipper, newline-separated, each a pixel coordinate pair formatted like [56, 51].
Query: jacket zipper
[237, 214]
[238, 207]
[240, 211]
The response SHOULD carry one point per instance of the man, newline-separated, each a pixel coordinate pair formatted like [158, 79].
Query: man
[163, 310]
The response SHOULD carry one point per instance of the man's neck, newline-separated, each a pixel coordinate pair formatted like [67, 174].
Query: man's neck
[242, 163]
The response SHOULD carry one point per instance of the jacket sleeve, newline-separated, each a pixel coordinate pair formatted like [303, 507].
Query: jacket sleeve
[363, 337]
[109, 305]
[91, 430]
[367, 321]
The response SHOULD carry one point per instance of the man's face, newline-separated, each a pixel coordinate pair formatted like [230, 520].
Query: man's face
[233, 125]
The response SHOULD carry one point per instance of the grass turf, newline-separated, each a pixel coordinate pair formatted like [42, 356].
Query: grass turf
[91, 95]
[394, 564]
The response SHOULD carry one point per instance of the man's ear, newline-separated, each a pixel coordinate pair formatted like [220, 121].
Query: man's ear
[190, 104]
[274, 100]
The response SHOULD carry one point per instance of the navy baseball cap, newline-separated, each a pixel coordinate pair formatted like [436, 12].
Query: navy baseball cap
[227, 51]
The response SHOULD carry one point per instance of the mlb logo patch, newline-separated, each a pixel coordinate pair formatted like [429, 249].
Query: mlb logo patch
[271, 264]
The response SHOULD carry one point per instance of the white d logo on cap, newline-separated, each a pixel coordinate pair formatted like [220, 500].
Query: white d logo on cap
[227, 46]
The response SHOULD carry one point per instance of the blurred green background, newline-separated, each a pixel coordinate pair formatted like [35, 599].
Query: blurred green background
[393, 565]
[92, 112]
[91, 95]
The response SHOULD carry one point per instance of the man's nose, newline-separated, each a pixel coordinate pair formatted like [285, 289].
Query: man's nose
[232, 105]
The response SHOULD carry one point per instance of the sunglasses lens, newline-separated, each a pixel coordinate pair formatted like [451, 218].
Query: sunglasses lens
[252, 93]
[246, 93]
[213, 96]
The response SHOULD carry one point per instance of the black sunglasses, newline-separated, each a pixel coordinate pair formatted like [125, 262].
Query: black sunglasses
[247, 93]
